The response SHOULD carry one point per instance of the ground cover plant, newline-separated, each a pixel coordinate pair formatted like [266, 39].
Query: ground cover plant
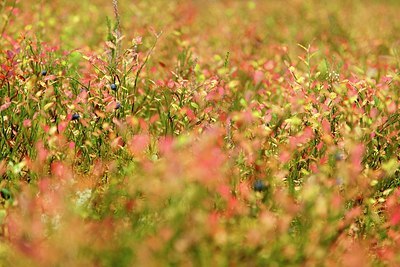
[199, 133]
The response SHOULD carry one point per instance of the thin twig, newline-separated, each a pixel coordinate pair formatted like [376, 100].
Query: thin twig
[7, 18]
[140, 70]
[117, 29]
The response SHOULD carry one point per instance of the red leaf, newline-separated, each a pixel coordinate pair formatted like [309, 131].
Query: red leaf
[395, 217]
[258, 76]
[326, 126]
[50, 77]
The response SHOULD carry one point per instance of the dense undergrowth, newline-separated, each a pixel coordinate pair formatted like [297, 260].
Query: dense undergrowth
[199, 133]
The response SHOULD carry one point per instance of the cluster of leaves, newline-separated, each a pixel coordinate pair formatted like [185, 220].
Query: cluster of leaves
[157, 152]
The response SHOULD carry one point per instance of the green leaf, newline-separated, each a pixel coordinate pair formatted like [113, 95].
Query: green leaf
[194, 105]
[390, 167]
[3, 214]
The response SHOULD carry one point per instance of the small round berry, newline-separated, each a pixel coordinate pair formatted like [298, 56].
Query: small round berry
[75, 116]
[339, 180]
[339, 156]
[259, 186]
[118, 105]
[44, 72]
[113, 87]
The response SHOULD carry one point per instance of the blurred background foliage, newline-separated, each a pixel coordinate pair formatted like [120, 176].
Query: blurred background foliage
[215, 27]
[263, 132]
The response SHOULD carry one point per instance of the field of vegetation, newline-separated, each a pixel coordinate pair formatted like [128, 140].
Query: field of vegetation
[199, 133]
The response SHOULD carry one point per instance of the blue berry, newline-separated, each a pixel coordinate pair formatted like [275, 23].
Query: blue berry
[75, 117]
[113, 87]
[259, 186]
[44, 72]
[118, 105]
[339, 180]
[339, 156]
